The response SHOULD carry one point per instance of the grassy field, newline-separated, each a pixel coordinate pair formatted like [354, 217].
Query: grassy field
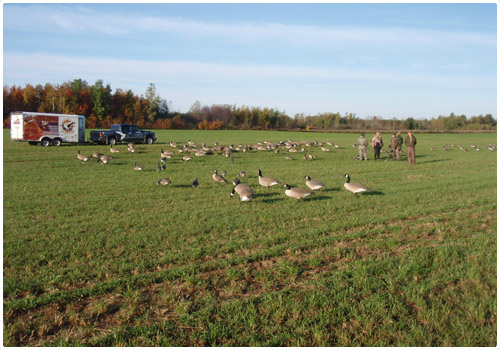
[98, 255]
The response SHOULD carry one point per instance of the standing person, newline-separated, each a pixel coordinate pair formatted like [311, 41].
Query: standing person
[362, 144]
[410, 142]
[392, 146]
[399, 144]
[377, 144]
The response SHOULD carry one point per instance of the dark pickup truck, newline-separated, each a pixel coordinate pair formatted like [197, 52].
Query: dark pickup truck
[123, 133]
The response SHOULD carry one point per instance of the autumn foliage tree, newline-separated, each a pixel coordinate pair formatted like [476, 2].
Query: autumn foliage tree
[102, 107]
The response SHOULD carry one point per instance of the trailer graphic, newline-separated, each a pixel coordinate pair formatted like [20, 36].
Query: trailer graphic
[47, 128]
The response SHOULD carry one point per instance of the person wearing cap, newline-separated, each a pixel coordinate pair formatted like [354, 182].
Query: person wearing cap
[362, 143]
[377, 144]
[410, 142]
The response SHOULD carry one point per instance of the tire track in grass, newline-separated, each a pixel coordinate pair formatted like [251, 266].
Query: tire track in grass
[211, 264]
[259, 261]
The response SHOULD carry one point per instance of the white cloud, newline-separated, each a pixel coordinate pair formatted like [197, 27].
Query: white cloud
[80, 20]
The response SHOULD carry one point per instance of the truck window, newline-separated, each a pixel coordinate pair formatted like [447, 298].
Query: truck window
[125, 129]
[134, 128]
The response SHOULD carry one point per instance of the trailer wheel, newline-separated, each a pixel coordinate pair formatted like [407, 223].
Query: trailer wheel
[45, 142]
[56, 142]
[111, 141]
[149, 140]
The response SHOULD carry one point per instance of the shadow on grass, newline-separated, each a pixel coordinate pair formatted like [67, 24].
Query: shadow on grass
[373, 193]
[269, 194]
[315, 198]
[432, 161]
[330, 189]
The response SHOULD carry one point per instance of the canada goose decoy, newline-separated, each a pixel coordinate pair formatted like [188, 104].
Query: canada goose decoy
[354, 187]
[194, 183]
[314, 184]
[131, 150]
[186, 158]
[288, 157]
[236, 181]
[82, 157]
[165, 154]
[105, 159]
[137, 167]
[96, 155]
[159, 167]
[242, 173]
[297, 192]
[223, 173]
[173, 144]
[244, 191]
[164, 181]
[325, 149]
[311, 156]
[113, 150]
[267, 181]
[218, 178]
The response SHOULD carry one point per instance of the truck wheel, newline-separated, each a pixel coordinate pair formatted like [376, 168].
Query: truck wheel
[149, 140]
[45, 142]
[111, 141]
[56, 142]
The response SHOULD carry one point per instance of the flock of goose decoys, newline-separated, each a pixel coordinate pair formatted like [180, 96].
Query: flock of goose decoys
[244, 191]
[490, 147]
[191, 149]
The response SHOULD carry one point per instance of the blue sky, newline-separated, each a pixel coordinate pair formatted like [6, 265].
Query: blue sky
[388, 60]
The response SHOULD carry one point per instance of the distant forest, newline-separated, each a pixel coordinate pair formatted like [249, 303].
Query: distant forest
[103, 107]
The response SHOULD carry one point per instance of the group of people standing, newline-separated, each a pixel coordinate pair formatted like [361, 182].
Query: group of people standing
[394, 147]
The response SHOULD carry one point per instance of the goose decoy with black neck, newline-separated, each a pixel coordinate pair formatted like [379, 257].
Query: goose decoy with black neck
[105, 159]
[82, 157]
[137, 167]
[297, 192]
[194, 183]
[113, 150]
[354, 187]
[267, 181]
[218, 178]
[314, 184]
[164, 181]
[244, 191]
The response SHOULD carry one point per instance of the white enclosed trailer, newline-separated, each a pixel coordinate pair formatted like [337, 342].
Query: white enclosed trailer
[47, 128]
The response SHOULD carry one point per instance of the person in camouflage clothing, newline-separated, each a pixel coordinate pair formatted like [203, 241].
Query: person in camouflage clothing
[392, 146]
[362, 143]
[399, 144]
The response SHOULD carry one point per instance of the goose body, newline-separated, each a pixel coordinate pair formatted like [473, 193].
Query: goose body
[218, 178]
[164, 181]
[267, 181]
[82, 157]
[105, 159]
[137, 167]
[244, 191]
[297, 192]
[354, 187]
[113, 150]
[96, 155]
[314, 184]
[186, 158]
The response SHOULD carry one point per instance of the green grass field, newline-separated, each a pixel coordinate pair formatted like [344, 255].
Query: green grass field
[98, 255]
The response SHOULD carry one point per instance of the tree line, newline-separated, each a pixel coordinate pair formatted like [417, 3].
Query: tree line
[103, 107]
